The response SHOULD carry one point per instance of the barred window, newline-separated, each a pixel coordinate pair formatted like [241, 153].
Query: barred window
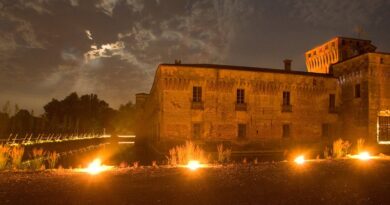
[383, 128]
[240, 96]
[197, 94]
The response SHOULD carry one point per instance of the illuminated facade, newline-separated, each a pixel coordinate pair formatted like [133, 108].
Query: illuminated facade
[319, 59]
[242, 105]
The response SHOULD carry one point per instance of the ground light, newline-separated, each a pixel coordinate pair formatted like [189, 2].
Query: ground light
[364, 156]
[96, 167]
[300, 159]
[193, 165]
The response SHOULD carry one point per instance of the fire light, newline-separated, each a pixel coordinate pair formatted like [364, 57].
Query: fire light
[96, 167]
[193, 165]
[300, 159]
[364, 156]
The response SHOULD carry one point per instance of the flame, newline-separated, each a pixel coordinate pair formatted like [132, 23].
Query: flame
[300, 159]
[364, 156]
[96, 167]
[193, 165]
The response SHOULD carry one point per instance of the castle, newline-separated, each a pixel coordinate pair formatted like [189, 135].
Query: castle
[344, 93]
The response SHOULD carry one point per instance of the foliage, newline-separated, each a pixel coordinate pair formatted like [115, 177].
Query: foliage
[223, 155]
[181, 155]
[52, 158]
[16, 155]
[37, 159]
[4, 155]
[341, 148]
[73, 114]
[360, 145]
[125, 119]
[327, 153]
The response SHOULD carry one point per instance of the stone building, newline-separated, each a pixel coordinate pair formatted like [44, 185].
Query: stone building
[243, 105]
[338, 49]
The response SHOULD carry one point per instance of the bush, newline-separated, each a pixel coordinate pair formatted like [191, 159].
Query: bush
[340, 148]
[327, 154]
[4, 155]
[223, 155]
[181, 155]
[38, 157]
[52, 158]
[360, 145]
[16, 155]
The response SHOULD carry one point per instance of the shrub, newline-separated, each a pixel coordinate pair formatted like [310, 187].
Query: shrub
[327, 153]
[223, 155]
[16, 155]
[360, 145]
[340, 148]
[4, 155]
[52, 158]
[181, 155]
[38, 157]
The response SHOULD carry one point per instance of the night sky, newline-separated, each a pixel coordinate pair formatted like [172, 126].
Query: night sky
[50, 48]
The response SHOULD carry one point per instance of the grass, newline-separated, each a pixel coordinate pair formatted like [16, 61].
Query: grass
[16, 155]
[52, 158]
[360, 145]
[181, 155]
[4, 156]
[341, 148]
[223, 154]
[38, 158]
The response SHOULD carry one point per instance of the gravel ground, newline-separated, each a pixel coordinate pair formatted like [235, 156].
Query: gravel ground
[317, 182]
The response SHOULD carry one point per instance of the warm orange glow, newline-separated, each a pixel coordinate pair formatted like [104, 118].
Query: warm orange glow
[193, 165]
[96, 167]
[364, 156]
[300, 159]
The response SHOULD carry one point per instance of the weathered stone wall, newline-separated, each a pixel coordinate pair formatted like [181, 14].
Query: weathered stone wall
[263, 94]
[319, 59]
[379, 87]
[359, 114]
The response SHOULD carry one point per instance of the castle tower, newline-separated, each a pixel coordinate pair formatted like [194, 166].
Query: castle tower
[319, 59]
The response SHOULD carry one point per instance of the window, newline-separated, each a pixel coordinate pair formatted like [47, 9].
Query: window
[357, 91]
[332, 101]
[197, 94]
[286, 130]
[384, 128]
[286, 98]
[241, 131]
[240, 96]
[196, 131]
[325, 130]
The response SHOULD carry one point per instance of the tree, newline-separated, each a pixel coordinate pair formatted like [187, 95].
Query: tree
[125, 118]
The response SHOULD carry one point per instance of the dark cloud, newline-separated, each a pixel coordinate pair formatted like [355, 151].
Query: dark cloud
[49, 48]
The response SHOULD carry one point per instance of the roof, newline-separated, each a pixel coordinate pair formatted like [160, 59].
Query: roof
[252, 69]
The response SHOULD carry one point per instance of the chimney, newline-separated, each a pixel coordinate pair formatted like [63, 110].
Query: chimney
[287, 64]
